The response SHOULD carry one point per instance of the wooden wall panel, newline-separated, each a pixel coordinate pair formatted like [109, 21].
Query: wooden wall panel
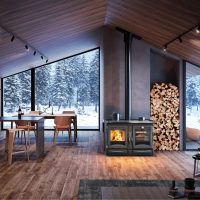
[164, 69]
[140, 77]
[52, 27]
[114, 73]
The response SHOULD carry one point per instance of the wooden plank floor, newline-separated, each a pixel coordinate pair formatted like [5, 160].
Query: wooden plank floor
[57, 175]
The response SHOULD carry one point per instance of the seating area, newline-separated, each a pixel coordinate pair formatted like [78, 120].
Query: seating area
[26, 126]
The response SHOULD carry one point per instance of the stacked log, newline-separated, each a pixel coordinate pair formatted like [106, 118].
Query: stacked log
[165, 115]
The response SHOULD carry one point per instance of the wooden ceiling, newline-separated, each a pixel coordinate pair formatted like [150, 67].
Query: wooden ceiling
[50, 25]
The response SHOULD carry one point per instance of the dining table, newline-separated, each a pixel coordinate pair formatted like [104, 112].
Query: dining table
[52, 116]
[39, 121]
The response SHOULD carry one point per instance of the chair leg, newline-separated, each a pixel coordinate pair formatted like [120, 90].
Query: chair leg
[6, 145]
[26, 148]
[10, 146]
[29, 137]
[55, 136]
[21, 136]
[16, 133]
[69, 132]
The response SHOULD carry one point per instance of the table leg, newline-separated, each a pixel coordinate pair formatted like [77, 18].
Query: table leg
[11, 124]
[40, 138]
[75, 129]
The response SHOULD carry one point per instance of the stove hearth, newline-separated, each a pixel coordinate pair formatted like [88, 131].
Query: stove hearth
[128, 137]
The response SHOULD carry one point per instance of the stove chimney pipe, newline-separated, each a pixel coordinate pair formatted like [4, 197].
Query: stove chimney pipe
[128, 41]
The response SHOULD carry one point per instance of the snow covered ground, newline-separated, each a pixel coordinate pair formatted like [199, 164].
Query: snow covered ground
[192, 121]
[193, 118]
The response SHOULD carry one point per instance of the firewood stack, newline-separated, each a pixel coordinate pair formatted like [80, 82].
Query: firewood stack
[165, 115]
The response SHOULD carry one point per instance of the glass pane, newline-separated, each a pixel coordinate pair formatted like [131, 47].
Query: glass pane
[142, 136]
[192, 106]
[70, 84]
[16, 92]
[117, 135]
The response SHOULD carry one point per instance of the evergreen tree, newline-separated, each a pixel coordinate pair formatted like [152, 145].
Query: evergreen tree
[25, 87]
[94, 79]
[75, 66]
[58, 89]
[83, 86]
[42, 84]
[12, 93]
[69, 82]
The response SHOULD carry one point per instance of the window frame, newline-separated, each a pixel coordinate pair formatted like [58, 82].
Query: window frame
[33, 87]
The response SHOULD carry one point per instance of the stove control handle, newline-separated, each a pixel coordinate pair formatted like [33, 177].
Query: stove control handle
[142, 127]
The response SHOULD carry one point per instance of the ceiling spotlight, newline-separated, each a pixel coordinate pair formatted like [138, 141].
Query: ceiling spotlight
[46, 60]
[26, 46]
[198, 29]
[42, 57]
[180, 39]
[34, 53]
[165, 48]
[12, 39]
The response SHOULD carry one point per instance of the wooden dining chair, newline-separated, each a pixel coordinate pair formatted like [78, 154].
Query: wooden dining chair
[34, 112]
[62, 123]
[10, 143]
[69, 112]
[27, 126]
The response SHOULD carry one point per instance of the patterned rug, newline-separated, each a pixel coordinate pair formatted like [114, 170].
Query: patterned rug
[92, 189]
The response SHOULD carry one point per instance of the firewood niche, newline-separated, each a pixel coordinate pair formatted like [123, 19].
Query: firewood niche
[165, 115]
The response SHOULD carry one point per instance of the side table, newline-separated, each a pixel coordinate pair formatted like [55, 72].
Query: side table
[196, 171]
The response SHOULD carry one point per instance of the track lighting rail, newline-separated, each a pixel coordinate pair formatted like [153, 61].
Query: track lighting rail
[179, 37]
[27, 46]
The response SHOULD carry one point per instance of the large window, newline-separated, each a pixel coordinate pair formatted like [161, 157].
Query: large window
[192, 106]
[16, 92]
[68, 84]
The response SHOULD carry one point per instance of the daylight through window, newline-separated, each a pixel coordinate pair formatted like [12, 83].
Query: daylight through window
[68, 84]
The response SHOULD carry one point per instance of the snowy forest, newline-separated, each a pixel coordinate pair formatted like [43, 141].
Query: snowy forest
[68, 84]
[193, 92]
[193, 101]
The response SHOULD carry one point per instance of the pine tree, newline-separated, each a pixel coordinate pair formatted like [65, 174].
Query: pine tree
[94, 79]
[83, 86]
[58, 89]
[69, 82]
[25, 87]
[12, 93]
[42, 84]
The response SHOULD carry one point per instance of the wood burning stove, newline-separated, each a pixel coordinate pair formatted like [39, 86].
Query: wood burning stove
[117, 138]
[128, 137]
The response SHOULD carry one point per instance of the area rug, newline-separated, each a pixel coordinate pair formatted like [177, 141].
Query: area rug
[92, 189]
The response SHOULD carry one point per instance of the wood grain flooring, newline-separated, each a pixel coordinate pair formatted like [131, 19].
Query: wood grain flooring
[57, 175]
